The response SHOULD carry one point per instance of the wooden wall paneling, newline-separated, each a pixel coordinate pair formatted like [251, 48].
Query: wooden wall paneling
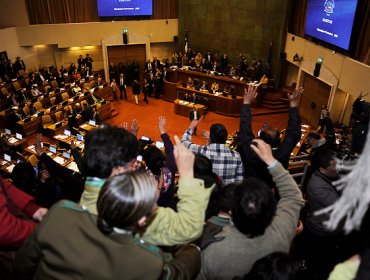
[126, 54]
[316, 93]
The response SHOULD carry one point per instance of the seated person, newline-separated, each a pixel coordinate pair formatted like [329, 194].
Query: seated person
[93, 99]
[232, 71]
[187, 97]
[203, 86]
[227, 90]
[189, 83]
[35, 91]
[214, 87]
[195, 98]
[98, 82]
[76, 89]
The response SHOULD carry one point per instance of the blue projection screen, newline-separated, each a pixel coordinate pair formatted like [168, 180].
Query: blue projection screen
[331, 21]
[119, 8]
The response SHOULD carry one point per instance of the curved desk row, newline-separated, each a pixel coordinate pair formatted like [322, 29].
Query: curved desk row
[228, 106]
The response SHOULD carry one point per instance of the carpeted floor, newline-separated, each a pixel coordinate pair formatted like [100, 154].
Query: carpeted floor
[148, 114]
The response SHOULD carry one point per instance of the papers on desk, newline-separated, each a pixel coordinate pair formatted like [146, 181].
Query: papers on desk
[61, 136]
[10, 168]
[73, 166]
[218, 93]
[183, 102]
[12, 140]
[305, 125]
[84, 125]
[3, 162]
[32, 148]
[49, 154]
[59, 160]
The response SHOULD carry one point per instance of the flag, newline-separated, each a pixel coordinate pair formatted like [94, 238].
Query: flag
[269, 61]
[186, 40]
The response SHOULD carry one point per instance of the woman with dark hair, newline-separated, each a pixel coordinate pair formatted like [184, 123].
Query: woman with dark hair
[102, 247]
[203, 170]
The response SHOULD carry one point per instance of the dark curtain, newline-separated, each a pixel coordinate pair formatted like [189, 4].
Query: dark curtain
[73, 11]
[361, 33]
[297, 23]
[360, 48]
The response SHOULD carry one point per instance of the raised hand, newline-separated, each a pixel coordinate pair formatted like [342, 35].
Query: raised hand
[294, 97]
[39, 214]
[38, 145]
[124, 125]
[263, 151]
[162, 125]
[184, 159]
[250, 94]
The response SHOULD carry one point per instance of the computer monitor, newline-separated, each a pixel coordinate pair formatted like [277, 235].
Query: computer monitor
[18, 136]
[92, 122]
[8, 131]
[76, 97]
[53, 108]
[145, 138]
[58, 124]
[40, 114]
[7, 157]
[67, 132]
[66, 154]
[53, 149]
[64, 103]
[159, 144]
[80, 137]
[96, 89]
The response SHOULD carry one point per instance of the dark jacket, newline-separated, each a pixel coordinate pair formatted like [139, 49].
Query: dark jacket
[77, 249]
[253, 166]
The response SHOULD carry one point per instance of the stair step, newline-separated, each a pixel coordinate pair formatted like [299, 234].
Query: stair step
[269, 112]
[282, 106]
[274, 102]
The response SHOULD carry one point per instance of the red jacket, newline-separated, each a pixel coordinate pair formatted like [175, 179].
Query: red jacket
[13, 231]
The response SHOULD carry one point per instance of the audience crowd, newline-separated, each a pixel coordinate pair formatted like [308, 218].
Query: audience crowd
[185, 211]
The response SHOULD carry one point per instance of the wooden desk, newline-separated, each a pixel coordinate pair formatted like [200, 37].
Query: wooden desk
[305, 129]
[104, 111]
[184, 109]
[65, 141]
[13, 142]
[219, 104]
[6, 166]
[57, 157]
[222, 105]
[30, 127]
[183, 75]
[87, 127]
[105, 93]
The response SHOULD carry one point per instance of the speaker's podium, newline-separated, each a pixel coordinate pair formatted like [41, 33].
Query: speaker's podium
[183, 108]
